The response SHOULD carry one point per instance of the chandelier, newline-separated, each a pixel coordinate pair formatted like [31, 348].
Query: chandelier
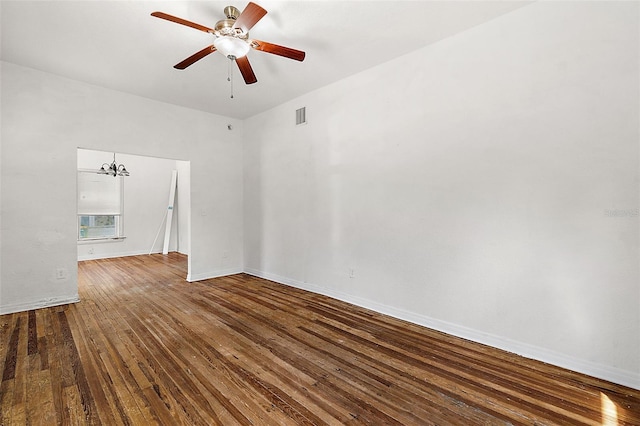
[113, 169]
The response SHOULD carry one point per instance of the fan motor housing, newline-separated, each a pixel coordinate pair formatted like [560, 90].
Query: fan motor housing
[224, 25]
[231, 12]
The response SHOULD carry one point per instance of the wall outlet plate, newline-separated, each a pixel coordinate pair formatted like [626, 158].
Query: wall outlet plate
[61, 273]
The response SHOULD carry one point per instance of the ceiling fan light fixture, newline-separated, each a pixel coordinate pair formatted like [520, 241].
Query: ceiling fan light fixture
[231, 46]
[231, 39]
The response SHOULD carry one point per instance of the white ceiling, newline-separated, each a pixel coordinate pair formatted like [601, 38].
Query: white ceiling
[118, 45]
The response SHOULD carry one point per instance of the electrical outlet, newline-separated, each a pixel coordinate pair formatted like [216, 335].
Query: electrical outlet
[90, 251]
[61, 273]
[352, 273]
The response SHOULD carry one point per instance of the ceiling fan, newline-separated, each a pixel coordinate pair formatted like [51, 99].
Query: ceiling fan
[232, 39]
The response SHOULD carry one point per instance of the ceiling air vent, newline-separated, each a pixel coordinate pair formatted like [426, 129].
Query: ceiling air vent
[301, 116]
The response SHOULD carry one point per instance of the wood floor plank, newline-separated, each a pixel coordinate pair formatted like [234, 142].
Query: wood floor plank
[199, 339]
[6, 400]
[241, 353]
[341, 369]
[53, 363]
[146, 347]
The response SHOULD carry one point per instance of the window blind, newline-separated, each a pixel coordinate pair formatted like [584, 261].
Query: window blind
[99, 194]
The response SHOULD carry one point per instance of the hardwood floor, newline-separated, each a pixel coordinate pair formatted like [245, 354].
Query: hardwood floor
[145, 347]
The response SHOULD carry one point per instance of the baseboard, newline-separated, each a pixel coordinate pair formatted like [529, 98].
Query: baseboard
[600, 371]
[214, 274]
[38, 304]
[97, 256]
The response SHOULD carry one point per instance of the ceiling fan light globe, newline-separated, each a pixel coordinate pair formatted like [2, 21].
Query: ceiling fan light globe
[231, 46]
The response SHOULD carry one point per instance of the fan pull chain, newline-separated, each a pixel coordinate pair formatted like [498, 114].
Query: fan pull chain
[230, 74]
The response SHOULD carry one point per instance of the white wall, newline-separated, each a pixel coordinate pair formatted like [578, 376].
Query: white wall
[469, 187]
[146, 194]
[45, 119]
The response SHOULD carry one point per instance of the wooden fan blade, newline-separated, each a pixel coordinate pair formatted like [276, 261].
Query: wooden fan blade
[249, 16]
[195, 57]
[246, 70]
[172, 18]
[287, 52]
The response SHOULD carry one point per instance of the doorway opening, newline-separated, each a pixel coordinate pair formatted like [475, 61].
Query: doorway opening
[122, 216]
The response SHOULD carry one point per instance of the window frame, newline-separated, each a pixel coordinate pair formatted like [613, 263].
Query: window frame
[118, 218]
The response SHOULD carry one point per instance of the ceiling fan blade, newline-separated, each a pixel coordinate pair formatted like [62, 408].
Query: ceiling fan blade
[246, 70]
[195, 57]
[287, 52]
[249, 16]
[172, 18]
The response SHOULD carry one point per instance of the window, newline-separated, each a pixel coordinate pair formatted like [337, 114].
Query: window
[100, 206]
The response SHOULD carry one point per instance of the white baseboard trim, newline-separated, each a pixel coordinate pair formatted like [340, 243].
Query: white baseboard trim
[38, 304]
[214, 274]
[97, 256]
[604, 372]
